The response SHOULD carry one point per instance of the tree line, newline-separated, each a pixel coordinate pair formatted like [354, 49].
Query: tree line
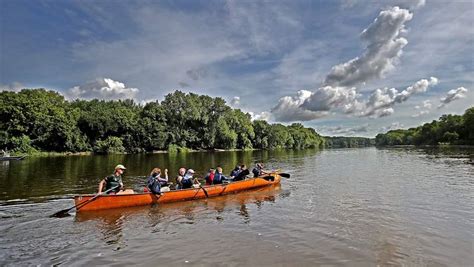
[348, 142]
[449, 129]
[42, 120]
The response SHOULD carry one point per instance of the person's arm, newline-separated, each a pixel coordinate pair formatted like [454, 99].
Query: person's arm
[101, 185]
[164, 179]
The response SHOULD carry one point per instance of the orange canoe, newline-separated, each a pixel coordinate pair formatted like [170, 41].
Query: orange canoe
[142, 199]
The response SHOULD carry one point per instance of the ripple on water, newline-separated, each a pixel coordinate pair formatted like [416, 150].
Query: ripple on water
[340, 207]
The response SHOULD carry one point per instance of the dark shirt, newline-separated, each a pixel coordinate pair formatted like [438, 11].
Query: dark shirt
[242, 175]
[113, 181]
[234, 172]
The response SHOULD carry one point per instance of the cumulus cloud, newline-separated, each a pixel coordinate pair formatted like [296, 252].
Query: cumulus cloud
[381, 101]
[307, 105]
[340, 130]
[423, 109]
[410, 4]
[393, 126]
[235, 101]
[15, 87]
[102, 88]
[384, 47]
[265, 116]
[289, 108]
[452, 95]
[328, 97]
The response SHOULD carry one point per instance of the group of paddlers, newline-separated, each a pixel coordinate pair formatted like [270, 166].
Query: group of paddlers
[157, 184]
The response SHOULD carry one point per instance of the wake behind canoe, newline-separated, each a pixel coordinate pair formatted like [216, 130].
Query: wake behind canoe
[142, 199]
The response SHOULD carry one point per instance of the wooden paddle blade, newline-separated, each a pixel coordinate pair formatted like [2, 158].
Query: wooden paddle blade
[286, 175]
[205, 192]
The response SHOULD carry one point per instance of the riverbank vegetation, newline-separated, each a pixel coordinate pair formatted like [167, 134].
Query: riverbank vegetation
[347, 142]
[449, 129]
[35, 120]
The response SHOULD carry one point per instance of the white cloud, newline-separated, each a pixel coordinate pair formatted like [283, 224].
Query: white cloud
[15, 87]
[384, 47]
[381, 101]
[410, 4]
[340, 130]
[308, 105]
[393, 126]
[102, 88]
[235, 101]
[265, 115]
[452, 95]
[427, 104]
[328, 97]
[289, 108]
[422, 110]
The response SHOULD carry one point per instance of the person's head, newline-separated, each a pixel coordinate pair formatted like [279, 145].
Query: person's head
[120, 169]
[190, 172]
[243, 167]
[155, 172]
[212, 170]
[237, 168]
[219, 170]
[181, 171]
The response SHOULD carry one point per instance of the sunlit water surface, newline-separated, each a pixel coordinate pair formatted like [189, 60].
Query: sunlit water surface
[353, 207]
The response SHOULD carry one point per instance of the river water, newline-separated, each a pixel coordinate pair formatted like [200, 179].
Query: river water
[341, 207]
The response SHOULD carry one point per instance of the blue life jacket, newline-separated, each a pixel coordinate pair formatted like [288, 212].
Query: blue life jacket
[235, 172]
[154, 185]
[218, 177]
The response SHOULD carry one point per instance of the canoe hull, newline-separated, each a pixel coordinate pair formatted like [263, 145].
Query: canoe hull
[142, 199]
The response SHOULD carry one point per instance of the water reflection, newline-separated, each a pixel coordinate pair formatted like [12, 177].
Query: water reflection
[362, 207]
[166, 218]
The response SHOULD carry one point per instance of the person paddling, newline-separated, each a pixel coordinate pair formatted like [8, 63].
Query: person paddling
[242, 174]
[113, 181]
[210, 176]
[155, 182]
[258, 170]
[219, 177]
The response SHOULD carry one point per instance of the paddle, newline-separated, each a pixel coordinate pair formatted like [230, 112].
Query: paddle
[200, 186]
[205, 192]
[282, 174]
[64, 213]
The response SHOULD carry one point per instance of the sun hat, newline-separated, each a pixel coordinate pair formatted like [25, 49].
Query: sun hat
[120, 166]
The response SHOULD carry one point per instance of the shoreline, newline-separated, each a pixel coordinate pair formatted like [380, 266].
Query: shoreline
[89, 153]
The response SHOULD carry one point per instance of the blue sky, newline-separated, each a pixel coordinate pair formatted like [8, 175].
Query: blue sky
[342, 67]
